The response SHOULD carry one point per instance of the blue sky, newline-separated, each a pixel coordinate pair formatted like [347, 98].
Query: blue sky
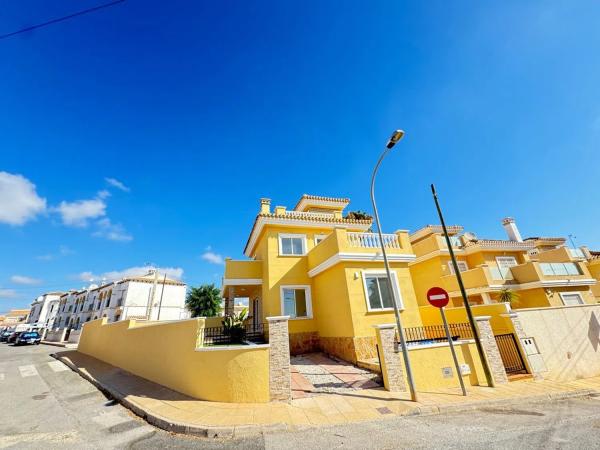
[199, 109]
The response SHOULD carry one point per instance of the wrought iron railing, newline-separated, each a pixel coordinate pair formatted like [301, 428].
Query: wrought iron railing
[251, 332]
[437, 333]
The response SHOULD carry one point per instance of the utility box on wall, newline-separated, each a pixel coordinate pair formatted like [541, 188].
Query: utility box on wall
[533, 355]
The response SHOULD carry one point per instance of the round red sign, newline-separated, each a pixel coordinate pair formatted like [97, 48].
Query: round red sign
[437, 297]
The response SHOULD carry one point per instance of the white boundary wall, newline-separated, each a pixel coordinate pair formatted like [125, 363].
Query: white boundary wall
[568, 338]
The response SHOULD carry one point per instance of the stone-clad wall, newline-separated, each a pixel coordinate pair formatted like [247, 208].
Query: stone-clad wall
[490, 348]
[347, 348]
[280, 383]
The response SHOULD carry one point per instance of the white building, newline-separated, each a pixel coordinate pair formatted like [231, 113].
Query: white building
[147, 297]
[44, 310]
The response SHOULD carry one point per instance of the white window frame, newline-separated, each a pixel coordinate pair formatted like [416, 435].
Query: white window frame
[395, 288]
[292, 235]
[320, 238]
[459, 264]
[562, 298]
[306, 287]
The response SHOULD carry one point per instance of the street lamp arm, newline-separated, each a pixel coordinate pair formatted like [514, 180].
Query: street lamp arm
[407, 365]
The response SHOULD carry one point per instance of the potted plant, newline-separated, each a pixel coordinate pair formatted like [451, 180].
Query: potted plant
[508, 296]
[233, 326]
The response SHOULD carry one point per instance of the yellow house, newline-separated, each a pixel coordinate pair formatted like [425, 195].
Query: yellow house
[593, 265]
[541, 271]
[325, 270]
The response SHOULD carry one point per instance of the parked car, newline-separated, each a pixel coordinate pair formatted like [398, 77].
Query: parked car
[29, 337]
[5, 335]
[14, 336]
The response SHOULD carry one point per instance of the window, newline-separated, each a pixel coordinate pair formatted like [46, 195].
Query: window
[462, 266]
[560, 269]
[504, 265]
[319, 238]
[378, 293]
[296, 302]
[292, 244]
[571, 299]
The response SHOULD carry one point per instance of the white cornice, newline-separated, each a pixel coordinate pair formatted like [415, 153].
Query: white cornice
[358, 257]
[335, 204]
[242, 282]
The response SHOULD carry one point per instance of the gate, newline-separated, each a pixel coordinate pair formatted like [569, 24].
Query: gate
[510, 354]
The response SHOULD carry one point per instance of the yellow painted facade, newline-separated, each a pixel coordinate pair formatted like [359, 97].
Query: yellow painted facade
[541, 271]
[594, 269]
[166, 353]
[339, 253]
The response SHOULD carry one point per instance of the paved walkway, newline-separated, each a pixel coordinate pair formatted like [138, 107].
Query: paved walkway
[176, 412]
[316, 373]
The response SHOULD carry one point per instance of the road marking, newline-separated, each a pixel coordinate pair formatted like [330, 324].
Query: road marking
[28, 371]
[2, 377]
[57, 366]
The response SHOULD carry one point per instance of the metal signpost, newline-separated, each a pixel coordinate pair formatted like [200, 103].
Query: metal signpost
[439, 298]
[484, 362]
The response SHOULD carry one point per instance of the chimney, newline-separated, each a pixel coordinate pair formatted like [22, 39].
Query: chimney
[511, 229]
[265, 206]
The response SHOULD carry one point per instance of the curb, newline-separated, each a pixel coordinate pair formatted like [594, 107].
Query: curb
[59, 344]
[239, 431]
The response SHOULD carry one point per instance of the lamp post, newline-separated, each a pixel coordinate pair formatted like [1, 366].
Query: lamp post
[394, 139]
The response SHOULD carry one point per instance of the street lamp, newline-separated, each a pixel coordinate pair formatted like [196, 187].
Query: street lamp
[394, 139]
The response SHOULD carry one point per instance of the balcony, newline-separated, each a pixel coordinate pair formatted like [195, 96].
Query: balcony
[239, 270]
[552, 273]
[353, 246]
[560, 255]
[481, 277]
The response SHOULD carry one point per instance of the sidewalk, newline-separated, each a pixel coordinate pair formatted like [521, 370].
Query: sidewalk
[60, 344]
[176, 412]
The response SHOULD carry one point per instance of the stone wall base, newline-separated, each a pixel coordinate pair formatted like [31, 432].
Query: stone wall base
[304, 343]
[349, 349]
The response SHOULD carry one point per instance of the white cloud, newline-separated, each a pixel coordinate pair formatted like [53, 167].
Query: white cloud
[63, 250]
[103, 194]
[19, 201]
[78, 213]
[22, 279]
[171, 272]
[112, 231]
[8, 294]
[116, 183]
[212, 257]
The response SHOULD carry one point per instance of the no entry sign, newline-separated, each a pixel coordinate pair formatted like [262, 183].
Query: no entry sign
[437, 297]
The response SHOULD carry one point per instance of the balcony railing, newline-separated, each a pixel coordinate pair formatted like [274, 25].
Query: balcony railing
[576, 253]
[497, 274]
[256, 333]
[436, 333]
[553, 269]
[371, 240]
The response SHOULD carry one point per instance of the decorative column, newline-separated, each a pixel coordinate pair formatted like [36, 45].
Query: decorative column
[520, 335]
[280, 382]
[490, 348]
[229, 301]
[390, 358]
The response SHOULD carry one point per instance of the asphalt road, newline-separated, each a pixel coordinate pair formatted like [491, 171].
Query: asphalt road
[45, 405]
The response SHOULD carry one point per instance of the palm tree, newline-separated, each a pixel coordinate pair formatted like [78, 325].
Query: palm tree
[508, 296]
[204, 301]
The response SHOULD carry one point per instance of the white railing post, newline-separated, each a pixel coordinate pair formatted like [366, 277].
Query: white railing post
[371, 240]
